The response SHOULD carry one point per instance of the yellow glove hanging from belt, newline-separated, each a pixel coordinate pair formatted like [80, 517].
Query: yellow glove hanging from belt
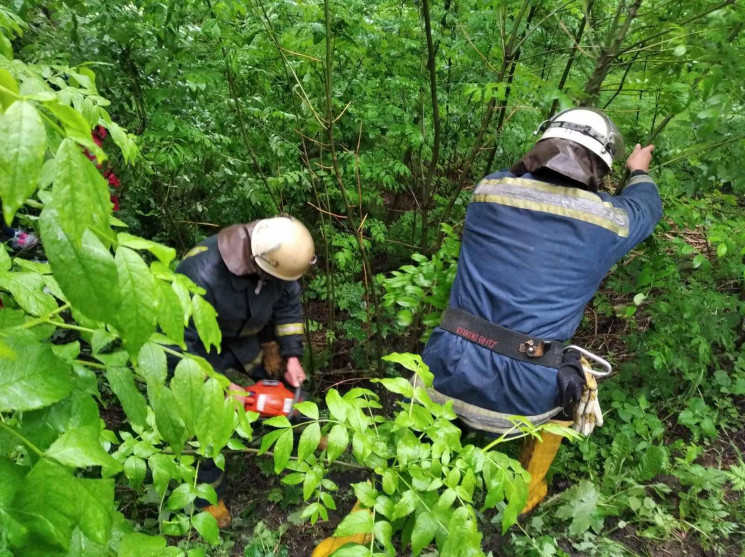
[273, 362]
[588, 414]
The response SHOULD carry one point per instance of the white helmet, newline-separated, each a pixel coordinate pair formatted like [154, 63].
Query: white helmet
[588, 127]
[282, 247]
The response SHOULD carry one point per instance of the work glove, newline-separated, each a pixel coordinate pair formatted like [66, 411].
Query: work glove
[571, 379]
[272, 360]
[588, 414]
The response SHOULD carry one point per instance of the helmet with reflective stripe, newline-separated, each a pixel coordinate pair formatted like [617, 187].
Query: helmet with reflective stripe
[590, 128]
[282, 247]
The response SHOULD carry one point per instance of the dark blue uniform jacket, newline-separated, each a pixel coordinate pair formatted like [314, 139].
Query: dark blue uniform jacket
[533, 254]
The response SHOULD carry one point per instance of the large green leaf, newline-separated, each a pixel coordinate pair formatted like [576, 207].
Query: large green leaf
[424, 531]
[136, 318]
[166, 254]
[206, 525]
[141, 545]
[24, 141]
[216, 419]
[359, 522]
[152, 363]
[34, 378]
[81, 195]
[187, 385]
[5, 261]
[170, 312]
[85, 272]
[51, 502]
[11, 477]
[82, 447]
[205, 318]
[28, 291]
[121, 381]
[167, 418]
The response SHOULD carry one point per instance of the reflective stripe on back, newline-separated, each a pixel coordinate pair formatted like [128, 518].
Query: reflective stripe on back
[564, 201]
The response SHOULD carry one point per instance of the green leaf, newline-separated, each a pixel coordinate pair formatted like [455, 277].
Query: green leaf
[208, 493]
[21, 157]
[216, 419]
[95, 499]
[187, 386]
[581, 507]
[81, 195]
[82, 447]
[169, 422]
[338, 440]
[312, 480]
[358, 522]
[74, 123]
[181, 496]
[164, 469]
[390, 481]
[135, 470]
[121, 381]
[282, 451]
[384, 533]
[336, 405]
[352, 551]
[406, 505]
[205, 319]
[141, 545]
[651, 464]
[27, 289]
[722, 250]
[86, 273]
[51, 502]
[397, 385]
[366, 494]
[309, 440]
[170, 313]
[308, 408]
[424, 531]
[7, 81]
[278, 421]
[137, 314]
[35, 378]
[164, 253]
[206, 525]
[5, 261]
[152, 363]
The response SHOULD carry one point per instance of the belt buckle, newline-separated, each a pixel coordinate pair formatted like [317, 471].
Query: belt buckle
[534, 350]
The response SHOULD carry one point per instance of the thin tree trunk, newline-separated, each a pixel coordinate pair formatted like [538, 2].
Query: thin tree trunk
[427, 186]
[485, 121]
[329, 124]
[610, 51]
[572, 56]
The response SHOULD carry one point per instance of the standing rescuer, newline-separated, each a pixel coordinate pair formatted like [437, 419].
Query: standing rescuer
[250, 274]
[538, 240]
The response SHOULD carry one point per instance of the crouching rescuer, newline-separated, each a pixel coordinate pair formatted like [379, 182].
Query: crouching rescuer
[250, 274]
[538, 240]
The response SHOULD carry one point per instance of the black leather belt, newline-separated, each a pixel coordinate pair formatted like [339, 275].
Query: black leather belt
[501, 340]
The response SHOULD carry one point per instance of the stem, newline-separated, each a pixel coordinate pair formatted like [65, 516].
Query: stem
[22, 438]
[250, 450]
[572, 56]
[426, 187]
[90, 364]
[44, 318]
[329, 125]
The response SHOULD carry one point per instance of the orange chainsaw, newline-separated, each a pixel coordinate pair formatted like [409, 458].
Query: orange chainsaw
[270, 397]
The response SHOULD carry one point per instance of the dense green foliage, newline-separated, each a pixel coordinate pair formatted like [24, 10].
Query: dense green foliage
[370, 121]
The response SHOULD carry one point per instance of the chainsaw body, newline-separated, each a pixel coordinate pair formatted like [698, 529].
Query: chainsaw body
[271, 398]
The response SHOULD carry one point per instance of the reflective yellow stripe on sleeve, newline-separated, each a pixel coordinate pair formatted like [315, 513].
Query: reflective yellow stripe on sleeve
[288, 329]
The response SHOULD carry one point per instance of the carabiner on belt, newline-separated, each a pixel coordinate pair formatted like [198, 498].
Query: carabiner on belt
[591, 356]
